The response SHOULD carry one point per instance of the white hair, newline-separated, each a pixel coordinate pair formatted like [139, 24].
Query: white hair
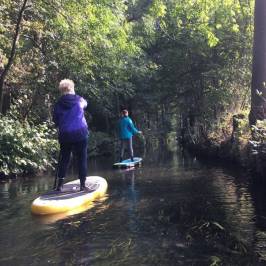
[66, 86]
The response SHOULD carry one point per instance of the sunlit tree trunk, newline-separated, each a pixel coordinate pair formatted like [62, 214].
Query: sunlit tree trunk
[258, 84]
[4, 72]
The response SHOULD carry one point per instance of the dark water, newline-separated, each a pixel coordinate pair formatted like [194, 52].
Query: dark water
[173, 210]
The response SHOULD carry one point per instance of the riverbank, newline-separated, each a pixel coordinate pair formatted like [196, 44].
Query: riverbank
[233, 142]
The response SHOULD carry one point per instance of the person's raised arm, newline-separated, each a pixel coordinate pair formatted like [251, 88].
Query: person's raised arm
[132, 127]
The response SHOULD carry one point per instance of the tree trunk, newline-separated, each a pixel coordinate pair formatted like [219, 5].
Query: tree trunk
[258, 83]
[12, 54]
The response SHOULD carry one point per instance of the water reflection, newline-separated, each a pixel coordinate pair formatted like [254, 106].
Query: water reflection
[175, 210]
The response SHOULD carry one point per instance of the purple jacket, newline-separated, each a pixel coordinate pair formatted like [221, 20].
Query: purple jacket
[69, 117]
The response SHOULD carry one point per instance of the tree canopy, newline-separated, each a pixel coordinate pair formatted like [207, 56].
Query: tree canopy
[166, 60]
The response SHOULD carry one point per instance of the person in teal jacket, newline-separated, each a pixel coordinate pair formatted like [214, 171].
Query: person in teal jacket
[126, 131]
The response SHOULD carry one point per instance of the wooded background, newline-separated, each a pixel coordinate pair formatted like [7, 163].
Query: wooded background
[170, 62]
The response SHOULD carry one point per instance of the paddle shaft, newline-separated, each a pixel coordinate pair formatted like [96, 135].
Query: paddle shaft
[57, 170]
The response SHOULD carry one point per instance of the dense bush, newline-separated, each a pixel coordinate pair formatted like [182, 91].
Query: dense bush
[25, 148]
[100, 143]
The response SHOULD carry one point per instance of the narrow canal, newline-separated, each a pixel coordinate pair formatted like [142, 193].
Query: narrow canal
[174, 210]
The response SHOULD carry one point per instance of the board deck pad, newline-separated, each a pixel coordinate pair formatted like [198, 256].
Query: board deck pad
[128, 163]
[70, 197]
[69, 191]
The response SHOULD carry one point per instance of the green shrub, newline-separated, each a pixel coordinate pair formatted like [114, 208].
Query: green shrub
[100, 143]
[25, 148]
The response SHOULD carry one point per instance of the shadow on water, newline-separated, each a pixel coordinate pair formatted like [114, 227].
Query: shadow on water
[174, 210]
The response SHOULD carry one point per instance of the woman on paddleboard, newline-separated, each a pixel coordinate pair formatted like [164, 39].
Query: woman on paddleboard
[126, 130]
[73, 131]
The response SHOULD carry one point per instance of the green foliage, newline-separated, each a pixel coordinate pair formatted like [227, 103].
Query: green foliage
[25, 148]
[100, 144]
[258, 132]
[163, 59]
[201, 58]
[180, 52]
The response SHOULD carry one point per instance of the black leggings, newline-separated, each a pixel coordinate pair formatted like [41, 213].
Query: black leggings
[80, 149]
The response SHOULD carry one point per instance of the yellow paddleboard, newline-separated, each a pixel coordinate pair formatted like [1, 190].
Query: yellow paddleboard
[70, 198]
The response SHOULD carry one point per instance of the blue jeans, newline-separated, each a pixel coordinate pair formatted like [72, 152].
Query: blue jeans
[80, 150]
